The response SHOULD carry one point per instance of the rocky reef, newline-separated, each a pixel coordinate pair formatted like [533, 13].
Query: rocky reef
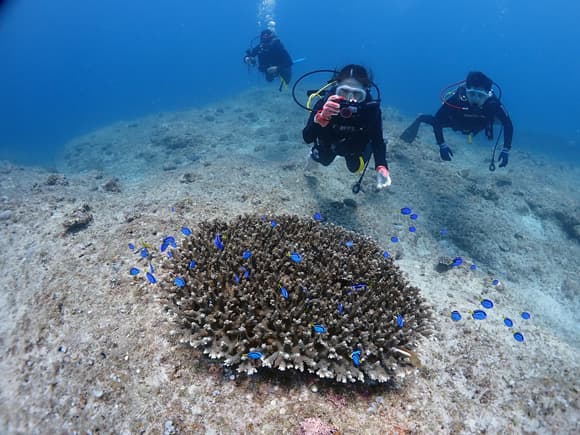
[291, 293]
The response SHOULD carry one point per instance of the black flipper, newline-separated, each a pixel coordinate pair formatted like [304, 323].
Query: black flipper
[411, 132]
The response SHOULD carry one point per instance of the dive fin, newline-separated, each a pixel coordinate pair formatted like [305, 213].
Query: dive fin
[411, 132]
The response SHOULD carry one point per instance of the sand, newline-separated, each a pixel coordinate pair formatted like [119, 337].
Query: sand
[87, 349]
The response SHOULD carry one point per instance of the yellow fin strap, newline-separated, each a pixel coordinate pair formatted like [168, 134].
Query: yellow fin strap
[361, 165]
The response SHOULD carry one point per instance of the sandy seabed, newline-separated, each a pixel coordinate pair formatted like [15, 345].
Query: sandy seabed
[86, 348]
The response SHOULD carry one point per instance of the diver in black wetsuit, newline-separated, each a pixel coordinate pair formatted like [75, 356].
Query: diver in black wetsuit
[348, 122]
[273, 59]
[473, 107]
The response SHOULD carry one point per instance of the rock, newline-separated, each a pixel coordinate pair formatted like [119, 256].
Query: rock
[78, 219]
[5, 215]
[169, 167]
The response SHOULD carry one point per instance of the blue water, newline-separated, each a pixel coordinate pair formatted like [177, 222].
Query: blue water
[70, 67]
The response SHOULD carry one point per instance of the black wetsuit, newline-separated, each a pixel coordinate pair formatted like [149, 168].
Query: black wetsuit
[273, 54]
[466, 118]
[351, 138]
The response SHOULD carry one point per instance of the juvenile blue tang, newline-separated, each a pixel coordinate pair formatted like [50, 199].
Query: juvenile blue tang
[179, 282]
[318, 217]
[508, 322]
[526, 315]
[134, 271]
[247, 254]
[151, 278]
[518, 336]
[192, 264]
[406, 211]
[400, 321]
[186, 231]
[412, 229]
[414, 216]
[394, 239]
[284, 292]
[131, 246]
[479, 315]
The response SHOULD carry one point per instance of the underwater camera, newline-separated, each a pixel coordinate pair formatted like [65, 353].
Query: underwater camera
[348, 108]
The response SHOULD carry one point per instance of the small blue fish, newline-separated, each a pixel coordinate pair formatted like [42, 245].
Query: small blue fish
[479, 315]
[131, 246]
[518, 336]
[170, 254]
[457, 261]
[400, 321]
[179, 282]
[355, 356]
[263, 218]
[319, 329]
[167, 242]
[412, 229]
[359, 286]
[349, 243]
[192, 264]
[386, 254]
[486, 303]
[247, 254]
[134, 271]
[151, 278]
[508, 322]
[246, 273]
[295, 257]
[172, 209]
[473, 267]
[394, 239]
[526, 315]
[443, 231]
[495, 282]
[273, 224]
[284, 292]
[414, 216]
[186, 231]
[406, 211]
[144, 252]
[318, 217]
[151, 268]
[340, 309]
[236, 278]
[254, 355]
[455, 316]
[217, 241]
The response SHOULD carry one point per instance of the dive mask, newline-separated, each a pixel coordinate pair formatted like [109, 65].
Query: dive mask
[351, 93]
[477, 96]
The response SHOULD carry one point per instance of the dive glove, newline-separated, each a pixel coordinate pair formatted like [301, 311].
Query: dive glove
[330, 109]
[383, 177]
[445, 152]
[504, 157]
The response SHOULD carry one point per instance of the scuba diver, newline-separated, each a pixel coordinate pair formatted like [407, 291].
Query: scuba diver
[469, 108]
[273, 59]
[346, 121]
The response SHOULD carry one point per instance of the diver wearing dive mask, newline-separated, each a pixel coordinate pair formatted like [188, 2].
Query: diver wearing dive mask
[468, 108]
[348, 123]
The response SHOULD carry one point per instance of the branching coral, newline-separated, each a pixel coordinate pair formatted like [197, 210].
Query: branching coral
[291, 293]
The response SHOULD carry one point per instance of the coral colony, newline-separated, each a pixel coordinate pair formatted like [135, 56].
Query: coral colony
[290, 293]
